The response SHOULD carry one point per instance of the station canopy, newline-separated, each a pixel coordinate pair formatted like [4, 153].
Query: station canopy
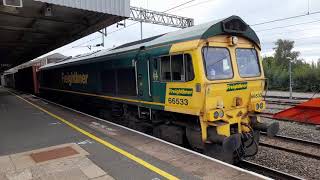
[31, 28]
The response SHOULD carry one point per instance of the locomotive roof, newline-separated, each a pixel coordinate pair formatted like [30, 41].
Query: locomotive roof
[232, 25]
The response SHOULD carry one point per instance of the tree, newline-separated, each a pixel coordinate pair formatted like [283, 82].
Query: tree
[306, 77]
[283, 50]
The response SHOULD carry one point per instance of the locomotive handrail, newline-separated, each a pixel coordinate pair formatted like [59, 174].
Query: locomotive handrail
[149, 81]
[136, 72]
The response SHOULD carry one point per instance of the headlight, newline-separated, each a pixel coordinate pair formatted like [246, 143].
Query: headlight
[257, 106]
[216, 114]
[234, 40]
[221, 114]
[261, 105]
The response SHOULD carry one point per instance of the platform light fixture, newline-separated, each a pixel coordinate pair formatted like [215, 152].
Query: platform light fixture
[13, 3]
[48, 10]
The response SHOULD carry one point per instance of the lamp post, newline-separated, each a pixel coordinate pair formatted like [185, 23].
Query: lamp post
[290, 77]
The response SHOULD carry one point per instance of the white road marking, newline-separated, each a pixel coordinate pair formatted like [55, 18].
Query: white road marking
[55, 123]
[87, 141]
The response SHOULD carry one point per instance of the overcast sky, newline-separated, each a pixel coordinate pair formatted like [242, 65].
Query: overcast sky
[306, 35]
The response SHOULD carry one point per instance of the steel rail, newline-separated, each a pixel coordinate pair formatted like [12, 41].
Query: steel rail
[308, 155]
[298, 140]
[289, 103]
[285, 97]
[293, 140]
[269, 172]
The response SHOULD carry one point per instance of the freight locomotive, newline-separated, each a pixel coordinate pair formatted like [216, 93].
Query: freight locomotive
[199, 87]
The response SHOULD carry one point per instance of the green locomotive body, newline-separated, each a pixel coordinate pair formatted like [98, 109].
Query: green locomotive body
[161, 86]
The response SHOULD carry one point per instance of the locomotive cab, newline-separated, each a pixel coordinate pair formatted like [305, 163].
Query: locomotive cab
[233, 83]
[224, 93]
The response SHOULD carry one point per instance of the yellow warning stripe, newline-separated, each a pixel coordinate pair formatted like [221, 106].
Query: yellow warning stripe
[103, 142]
[106, 97]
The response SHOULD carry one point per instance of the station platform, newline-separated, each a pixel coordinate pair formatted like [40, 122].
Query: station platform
[42, 140]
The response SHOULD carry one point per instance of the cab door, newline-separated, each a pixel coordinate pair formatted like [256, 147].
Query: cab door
[142, 65]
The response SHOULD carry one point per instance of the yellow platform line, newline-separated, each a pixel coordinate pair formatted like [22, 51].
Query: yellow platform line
[103, 142]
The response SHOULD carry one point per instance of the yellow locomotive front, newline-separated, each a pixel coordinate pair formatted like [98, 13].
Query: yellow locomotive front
[233, 83]
[220, 102]
[225, 95]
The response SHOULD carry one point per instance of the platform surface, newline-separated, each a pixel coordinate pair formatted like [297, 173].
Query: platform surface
[33, 125]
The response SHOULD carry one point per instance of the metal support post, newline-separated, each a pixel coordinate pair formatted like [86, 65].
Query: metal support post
[290, 79]
[141, 30]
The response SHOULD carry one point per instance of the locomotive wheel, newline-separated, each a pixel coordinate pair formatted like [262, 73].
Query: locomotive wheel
[194, 138]
[249, 146]
[216, 151]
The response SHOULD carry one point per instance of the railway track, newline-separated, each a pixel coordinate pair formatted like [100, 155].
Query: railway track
[290, 140]
[266, 114]
[293, 145]
[296, 140]
[285, 97]
[277, 108]
[279, 102]
[269, 115]
[266, 171]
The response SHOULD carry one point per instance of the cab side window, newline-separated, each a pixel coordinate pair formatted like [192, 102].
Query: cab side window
[165, 68]
[188, 67]
[176, 68]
